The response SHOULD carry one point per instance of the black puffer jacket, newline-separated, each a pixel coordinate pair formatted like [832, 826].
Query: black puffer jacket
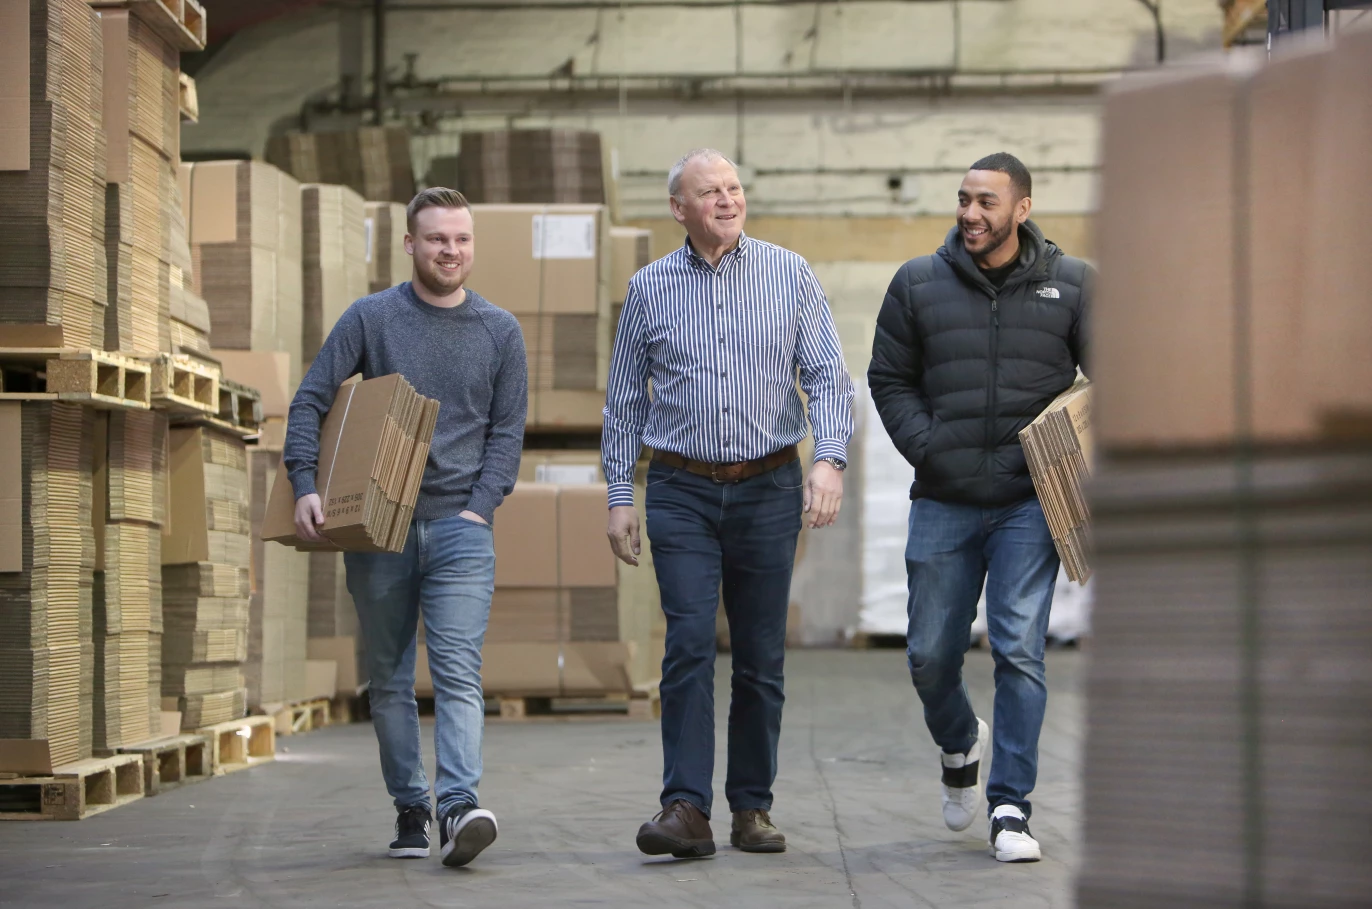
[958, 368]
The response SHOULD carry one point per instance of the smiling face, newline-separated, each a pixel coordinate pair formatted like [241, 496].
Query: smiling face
[443, 248]
[990, 211]
[711, 205]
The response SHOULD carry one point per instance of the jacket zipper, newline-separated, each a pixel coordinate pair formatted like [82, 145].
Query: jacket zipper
[991, 396]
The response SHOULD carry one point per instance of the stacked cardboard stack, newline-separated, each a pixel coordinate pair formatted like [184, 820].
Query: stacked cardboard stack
[373, 161]
[556, 166]
[1233, 548]
[128, 513]
[550, 266]
[631, 248]
[52, 171]
[387, 262]
[245, 237]
[334, 260]
[190, 314]
[372, 450]
[142, 133]
[47, 553]
[206, 555]
[275, 666]
[1057, 446]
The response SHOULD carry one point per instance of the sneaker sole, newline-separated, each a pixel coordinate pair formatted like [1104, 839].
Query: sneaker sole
[661, 844]
[470, 841]
[1027, 855]
[410, 852]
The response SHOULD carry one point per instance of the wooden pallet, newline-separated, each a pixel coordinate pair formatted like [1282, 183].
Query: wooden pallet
[642, 703]
[301, 716]
[240, 405]
[73, 791]
[181, 23]
[240, 744]
[190, 101]
[184, 385]
[169, 763]
[78, 376]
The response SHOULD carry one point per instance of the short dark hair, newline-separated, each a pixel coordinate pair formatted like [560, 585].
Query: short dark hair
[1013, 167]
[434, 197]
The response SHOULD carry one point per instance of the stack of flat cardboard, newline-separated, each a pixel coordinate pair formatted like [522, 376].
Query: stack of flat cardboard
[557, 166]
[373, 161]
[275, 667]
[334, 260]
[128, 514]
[206, 554]
[245, 237]
[47, 555]
[52, 170]
[550, 266]
[142, 134]
[387, 262]
[189, 313]
[1231, 502]
[1057, 446]
[372, 450]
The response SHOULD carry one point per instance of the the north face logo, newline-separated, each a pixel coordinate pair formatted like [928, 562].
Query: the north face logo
[1049, 293]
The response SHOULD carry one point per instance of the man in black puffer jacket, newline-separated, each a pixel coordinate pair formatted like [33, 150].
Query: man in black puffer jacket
[971, 345]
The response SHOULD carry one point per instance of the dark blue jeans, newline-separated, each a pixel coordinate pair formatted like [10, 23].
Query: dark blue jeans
[951, 550]
[741, 536]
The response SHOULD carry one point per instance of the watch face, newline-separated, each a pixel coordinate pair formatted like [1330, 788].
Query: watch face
[837, 464]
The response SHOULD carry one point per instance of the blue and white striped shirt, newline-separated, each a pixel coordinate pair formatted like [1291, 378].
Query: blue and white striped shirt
[723, 347]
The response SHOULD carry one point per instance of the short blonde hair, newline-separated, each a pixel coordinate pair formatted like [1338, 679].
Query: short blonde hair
[434, 197]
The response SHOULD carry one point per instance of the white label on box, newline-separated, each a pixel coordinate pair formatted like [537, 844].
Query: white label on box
[370, 224]
[566, 474]
[564, 236]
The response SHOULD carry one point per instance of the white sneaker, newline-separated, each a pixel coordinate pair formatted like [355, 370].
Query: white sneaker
[962, 782]
[1010, 838]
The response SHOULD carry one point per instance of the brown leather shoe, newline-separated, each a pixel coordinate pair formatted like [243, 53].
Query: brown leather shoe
[680, 829]
[753, 831]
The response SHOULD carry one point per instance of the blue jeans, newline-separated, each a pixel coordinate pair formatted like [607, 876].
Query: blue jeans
[448, 571]
[951, 550]
[741, 536]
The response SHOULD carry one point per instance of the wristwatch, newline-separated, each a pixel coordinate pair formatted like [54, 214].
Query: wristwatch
[836, 463]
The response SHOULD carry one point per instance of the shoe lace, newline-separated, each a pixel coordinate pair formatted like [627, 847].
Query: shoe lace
[760, 817]
[413, 818]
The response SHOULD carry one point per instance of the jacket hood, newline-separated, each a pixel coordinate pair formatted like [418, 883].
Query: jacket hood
[1036, 253]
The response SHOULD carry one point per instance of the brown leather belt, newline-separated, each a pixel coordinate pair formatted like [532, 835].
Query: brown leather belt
[729, 473]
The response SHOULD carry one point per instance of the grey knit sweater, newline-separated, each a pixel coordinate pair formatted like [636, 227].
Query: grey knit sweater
[471, 358]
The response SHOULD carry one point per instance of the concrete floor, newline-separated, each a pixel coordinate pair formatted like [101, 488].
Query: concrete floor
[857, 798]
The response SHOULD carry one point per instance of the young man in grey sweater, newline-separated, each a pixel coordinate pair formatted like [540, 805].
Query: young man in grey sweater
[453, 345]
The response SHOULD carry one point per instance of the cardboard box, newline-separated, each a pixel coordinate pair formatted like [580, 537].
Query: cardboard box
[631, 248]
[562, 467]
[321, 680]
[543, 259]
[269, 371]
[526, 537]
[343, 653]
[387, 262]
[208, 486]
[372, 450]
[1058, 448]
[532, 165]
[334, 265]
[547, 670]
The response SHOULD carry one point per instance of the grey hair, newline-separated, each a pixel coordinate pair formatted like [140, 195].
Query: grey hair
[674, 175]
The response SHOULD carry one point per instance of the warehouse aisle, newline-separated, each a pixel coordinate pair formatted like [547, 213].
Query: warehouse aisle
[857, 798]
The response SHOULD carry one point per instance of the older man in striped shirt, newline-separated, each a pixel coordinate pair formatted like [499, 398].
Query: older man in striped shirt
[721, 328]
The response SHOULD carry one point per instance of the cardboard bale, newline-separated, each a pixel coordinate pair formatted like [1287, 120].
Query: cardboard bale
[274, 670]
[334, 260]
[559, 166]
[373, 446]
[387, 262]
[209, 493]
[373, 161]
[52, 226]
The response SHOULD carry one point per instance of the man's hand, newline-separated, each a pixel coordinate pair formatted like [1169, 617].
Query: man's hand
[623, 533]
[309, 514]
[823, 494]
[473, 517]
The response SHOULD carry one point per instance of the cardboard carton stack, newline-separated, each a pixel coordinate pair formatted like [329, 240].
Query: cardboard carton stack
[334, 260]
[206, 554]
[189, 313]
[373, 161]
[372, 450]
[1231, 502]
[128, 516]
[387, 262]
[1057, 446]
[550, 266]
[558, 166]
[142, 132]
[631, 248]
[47, 554]
[277, 607]
[52, 170]
[245, 238]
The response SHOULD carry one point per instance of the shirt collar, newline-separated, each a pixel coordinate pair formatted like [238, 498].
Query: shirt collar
[738, 252]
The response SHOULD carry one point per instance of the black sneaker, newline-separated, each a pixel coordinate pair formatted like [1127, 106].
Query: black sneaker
[463, 832]
[411, 833]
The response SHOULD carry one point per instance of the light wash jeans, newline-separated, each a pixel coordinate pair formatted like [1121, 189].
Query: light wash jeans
[951, 550]
[448, 571]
